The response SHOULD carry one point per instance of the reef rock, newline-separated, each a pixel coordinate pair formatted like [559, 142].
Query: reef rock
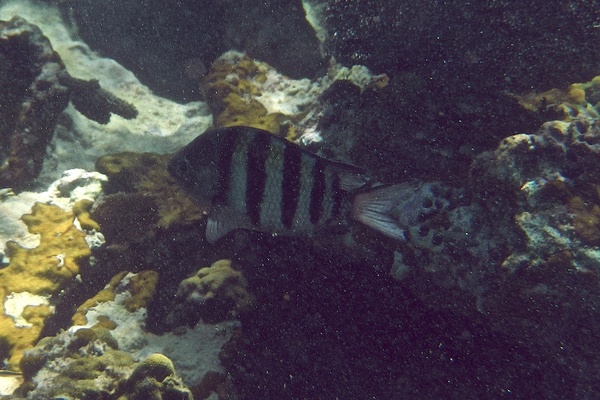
[33, 275]
[214, 294]
[172, 53]
[95, 85]
[522, 247]
[86, 363]
[47, 240]
[244, 91]
[36, 89]
[108, 353]
[33, 95]
[488, 44]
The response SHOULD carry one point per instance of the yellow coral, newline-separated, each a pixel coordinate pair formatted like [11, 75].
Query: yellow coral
[574, 95]
[569, 102]
[586, 220]
[141, 286]
[232, 88]
[106, 294]
[146, 174]
[43, 270]
[81, 209]
[220, 281]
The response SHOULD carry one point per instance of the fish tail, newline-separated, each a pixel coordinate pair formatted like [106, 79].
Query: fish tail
[373, 208]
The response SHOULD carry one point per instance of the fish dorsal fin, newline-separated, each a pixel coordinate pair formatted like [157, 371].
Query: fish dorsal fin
[221, 221]
[351, 177]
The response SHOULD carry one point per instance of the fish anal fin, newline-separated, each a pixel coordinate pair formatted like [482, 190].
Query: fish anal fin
[221, 221]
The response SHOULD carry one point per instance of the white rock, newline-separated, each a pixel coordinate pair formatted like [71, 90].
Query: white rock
[208, 339]
[74, 185]
[15, 303]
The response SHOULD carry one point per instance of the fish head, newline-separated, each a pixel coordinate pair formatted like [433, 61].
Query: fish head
[195, 168]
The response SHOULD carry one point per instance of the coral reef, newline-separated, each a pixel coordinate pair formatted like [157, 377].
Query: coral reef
[142, 208]
[553, 176]
[33, 101]
[144, 174]
[161, 125]
[155, 378]
[522, 248]
[45, 254]
[122, 308]
[141, 288]
[74, 191]
[243, 91]
[579, 99]
[494, 291]
[213, 294]
[233, 86]
[407, 131]
[86, 363]
[33, 96]
[98, 104]
[170, 61]
[41, 271]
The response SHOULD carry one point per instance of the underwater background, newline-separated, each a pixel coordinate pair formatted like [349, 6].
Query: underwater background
[110, 290]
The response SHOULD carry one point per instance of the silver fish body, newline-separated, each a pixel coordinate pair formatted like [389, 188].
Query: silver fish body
[248, 178]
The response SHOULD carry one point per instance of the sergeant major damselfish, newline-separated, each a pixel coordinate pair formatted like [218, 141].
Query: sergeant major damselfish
[248, 178]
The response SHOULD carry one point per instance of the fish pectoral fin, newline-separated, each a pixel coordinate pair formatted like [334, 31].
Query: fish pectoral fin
[351, 178]
[221, 221]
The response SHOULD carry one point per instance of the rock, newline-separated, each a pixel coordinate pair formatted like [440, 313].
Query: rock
[86, 363]
[33, 95]
[172, 52]
[214, 294]
[36, 90]
[487, 44]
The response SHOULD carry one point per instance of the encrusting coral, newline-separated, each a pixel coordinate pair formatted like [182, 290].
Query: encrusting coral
[141, 287]
[156, 374]
[579, 99]
[87, 363]
[214, 293]
[244, 91]
[145, 175]
[232, 89]
[41, 271]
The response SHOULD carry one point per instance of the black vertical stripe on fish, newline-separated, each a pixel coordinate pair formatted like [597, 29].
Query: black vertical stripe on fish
[257, 154]
[250, 179]
[317, 192]
[290, 185]
[330, 177]
[224, 165]
[337, 198]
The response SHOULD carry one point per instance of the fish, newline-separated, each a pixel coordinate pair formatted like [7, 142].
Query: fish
[248, 178]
